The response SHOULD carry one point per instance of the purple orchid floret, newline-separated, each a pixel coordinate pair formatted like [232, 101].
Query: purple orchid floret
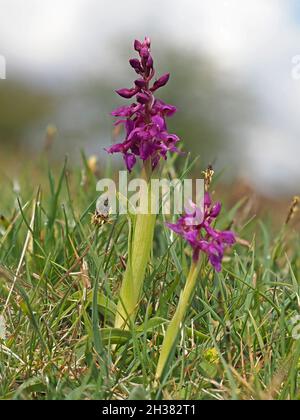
[201, 235]
[145, 125]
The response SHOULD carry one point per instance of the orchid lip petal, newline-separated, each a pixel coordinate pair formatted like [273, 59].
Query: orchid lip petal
[130, 161]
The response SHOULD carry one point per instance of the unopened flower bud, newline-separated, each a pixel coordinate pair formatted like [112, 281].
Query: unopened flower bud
[142, 98]
[162, 81]
[137, 45]
[126, 93]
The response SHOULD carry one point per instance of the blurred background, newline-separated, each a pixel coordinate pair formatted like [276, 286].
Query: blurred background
[235, 78]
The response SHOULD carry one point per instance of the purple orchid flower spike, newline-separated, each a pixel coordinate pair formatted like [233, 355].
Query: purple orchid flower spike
[147, 136]
[202, 236]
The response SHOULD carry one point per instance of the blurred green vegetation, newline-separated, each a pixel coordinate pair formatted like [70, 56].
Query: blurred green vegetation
[211, 107]
[21, 106]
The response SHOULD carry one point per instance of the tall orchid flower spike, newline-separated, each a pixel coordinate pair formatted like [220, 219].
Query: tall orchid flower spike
[144, 120]
[202, 237]
[146, 138]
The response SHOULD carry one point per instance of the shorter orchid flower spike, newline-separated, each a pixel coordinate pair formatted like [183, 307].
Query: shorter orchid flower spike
[201, 235]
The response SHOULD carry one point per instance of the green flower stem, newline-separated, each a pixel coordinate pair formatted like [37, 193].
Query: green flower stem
[139, 249]
[173, 329]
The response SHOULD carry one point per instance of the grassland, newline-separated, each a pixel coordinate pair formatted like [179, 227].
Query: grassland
[59, 281]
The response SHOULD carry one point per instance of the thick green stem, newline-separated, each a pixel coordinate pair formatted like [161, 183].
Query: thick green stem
[177, 320]
[139, 250]
[133, 280]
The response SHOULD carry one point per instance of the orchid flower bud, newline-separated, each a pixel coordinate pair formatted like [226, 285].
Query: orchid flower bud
[162, 81]
[137, 45]
[140, 83]
[136, 65]
[143, 98]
